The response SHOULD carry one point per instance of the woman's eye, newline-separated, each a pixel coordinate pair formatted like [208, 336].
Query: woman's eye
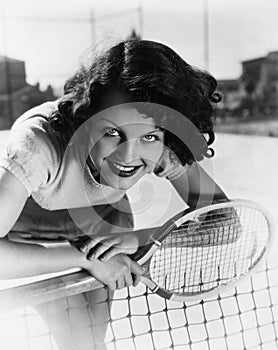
[112, 132]
[150, 138]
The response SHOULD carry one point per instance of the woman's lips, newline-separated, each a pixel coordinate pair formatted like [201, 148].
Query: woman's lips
[123, 170]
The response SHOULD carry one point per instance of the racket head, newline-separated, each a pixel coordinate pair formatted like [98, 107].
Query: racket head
[208, 250]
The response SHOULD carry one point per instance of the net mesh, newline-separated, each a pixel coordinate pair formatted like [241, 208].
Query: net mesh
[246, 317]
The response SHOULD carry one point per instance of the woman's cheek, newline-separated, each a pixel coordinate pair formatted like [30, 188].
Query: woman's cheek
[154, 158]
[159, 152]
[103, 149]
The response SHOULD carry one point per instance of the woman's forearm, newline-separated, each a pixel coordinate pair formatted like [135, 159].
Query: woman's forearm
[20, 260]
[197, 188]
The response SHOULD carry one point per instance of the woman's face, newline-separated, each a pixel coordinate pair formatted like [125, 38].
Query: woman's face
[127, 145]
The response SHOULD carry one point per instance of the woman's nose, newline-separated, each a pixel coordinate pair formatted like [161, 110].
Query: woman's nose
[127, 152]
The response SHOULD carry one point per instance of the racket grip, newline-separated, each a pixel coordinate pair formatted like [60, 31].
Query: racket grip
[156, 289]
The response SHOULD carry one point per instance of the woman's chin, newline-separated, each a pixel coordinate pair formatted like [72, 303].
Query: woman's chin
[121, 183]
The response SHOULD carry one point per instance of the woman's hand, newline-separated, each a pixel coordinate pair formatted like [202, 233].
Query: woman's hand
[116, 273]
[106, 246]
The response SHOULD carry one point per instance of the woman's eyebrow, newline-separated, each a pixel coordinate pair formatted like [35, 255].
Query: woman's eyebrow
[158, 129]
[153, 131]
[108, 121]
[118, 127]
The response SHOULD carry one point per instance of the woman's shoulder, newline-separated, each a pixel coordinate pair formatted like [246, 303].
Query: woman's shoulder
[30, 134]
[36, 116]
[31, 153]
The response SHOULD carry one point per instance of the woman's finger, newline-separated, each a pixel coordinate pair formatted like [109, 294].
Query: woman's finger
[89, 244]
[121, 283]
[100, 249]
[136, 271]
[91, 254]
[128, 280]
[136, 280]
[112, 285]
[110, 252]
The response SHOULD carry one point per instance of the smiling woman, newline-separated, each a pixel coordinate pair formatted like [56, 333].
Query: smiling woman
[137, 108]
[127, 145]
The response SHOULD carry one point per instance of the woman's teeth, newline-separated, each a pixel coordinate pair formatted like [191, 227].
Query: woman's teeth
[124, 168]
[123, 171]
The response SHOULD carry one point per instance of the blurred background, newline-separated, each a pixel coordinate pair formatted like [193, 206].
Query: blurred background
[42, 42]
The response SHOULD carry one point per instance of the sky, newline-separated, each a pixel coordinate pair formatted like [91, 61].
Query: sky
[52, 36]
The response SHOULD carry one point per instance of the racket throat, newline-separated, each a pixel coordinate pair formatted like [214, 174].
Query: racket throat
[155, 242]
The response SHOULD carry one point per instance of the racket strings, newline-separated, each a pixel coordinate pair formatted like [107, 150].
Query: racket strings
[214, 233]
[210, 229]
[207, 253]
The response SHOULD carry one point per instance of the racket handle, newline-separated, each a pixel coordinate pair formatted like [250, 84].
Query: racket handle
[155, 289]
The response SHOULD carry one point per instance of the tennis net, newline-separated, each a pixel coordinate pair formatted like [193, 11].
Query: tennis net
[245, 317]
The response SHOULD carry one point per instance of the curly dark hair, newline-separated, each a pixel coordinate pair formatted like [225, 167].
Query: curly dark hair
[141, 71]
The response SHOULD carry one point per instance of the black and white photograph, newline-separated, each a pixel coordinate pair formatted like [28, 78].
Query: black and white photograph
[138, 175]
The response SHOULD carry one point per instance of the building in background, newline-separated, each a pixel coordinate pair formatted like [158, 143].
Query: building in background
[232, 95]
[260, 82]
[16, 95]
[255, 93]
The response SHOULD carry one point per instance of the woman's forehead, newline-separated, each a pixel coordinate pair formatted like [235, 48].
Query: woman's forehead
[122, 115]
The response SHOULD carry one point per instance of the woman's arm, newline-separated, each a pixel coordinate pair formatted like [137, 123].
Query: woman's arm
[19, 260]
[197, 188]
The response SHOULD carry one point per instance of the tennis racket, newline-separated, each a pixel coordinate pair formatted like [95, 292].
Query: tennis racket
[196, 254]
[202, 252]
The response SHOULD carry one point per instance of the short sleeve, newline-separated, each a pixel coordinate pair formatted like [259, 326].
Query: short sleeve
[169, 166]
[30, 157]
